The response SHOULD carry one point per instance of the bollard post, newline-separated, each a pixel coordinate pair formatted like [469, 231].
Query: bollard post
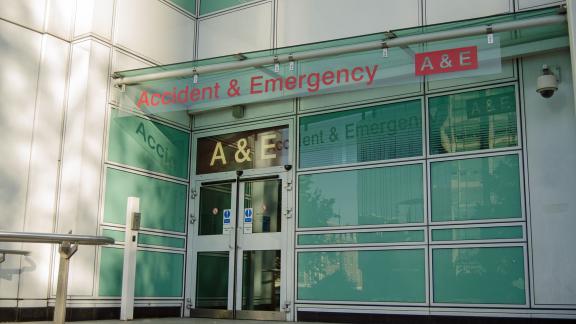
[130, 248]
[66, 251]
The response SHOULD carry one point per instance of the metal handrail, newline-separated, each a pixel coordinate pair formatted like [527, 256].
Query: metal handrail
[54, 238]
[15, 252]
[68, 246]
[3, 253]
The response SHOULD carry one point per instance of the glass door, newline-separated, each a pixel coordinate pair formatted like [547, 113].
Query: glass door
[240, 249]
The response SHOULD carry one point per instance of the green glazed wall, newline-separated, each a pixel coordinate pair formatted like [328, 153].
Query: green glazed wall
[149, 145]
[162, 203]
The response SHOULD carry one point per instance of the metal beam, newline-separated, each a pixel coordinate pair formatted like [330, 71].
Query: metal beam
[314, 54]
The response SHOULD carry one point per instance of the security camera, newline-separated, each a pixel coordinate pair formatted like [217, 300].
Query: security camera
[547, 83]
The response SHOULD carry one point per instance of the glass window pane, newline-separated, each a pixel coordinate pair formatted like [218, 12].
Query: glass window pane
[478, 233]
[212, 280]
[261, 280]
[265, 197]
[159, 274]
[487, 275]
[149, 145]
[370, 276]
[111, 266]
[213, 200]
[381, 132]
[162, 203]
[475, 120]
[362, 237]
[473, 189]
[391, 195]
[166, 241]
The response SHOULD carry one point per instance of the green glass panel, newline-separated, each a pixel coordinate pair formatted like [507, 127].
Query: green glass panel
[478, 233]
[118, 236]
[188, 5]
[167, 241]
[488, 275]
[208, 6]
[162, 203]
[381, 132]
[158, 274]
[149, 145]
[473, 189]
[362, 238]
[391, 195]
[265, 197]
[111, 265]
[475, 120]
[261, 280]
[212, 280]
[214, 199]
[368, 276]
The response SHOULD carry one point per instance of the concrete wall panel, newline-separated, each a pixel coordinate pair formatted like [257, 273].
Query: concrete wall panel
[439, 11]
[82, 155]
[155, 30]
[306, 21]
[551, 133]
[247, 29]
[94, 17]
[19, 67]
[29, 13]
[45, 163]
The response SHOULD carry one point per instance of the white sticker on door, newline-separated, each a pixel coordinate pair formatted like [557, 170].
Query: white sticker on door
[248, 213]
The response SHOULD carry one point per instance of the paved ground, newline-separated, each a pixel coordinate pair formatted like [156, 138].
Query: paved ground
[166, 321]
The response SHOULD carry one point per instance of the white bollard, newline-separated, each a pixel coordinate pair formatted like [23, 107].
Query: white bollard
[130, 248]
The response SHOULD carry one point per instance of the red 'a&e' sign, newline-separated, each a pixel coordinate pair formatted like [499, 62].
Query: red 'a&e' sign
[450, 60]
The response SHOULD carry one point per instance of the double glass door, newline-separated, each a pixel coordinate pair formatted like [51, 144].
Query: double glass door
[239, 249]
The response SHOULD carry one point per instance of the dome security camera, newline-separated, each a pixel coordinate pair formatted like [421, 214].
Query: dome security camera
[547, 83]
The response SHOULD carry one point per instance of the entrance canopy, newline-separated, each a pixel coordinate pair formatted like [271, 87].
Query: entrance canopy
[451, 50]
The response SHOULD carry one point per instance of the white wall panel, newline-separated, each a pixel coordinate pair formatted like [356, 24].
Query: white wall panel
[551, 134]
[154, 30]
[243, 30]
[44, 165]
[60, 17]
[19, 66]
[29, 13]
[526, 4]
[438, 11]
[306, 21]
[94, 17]
[82, 155]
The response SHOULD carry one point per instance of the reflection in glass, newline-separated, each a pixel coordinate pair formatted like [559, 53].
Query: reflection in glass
[372, 276]
[479, 188]
[361, 237]
[261, 280]
[391, 195]
[476, 120]
[478, 233]
[213, 200]
[384, 132]
[265, 197]
[212, 280]
[491, 275]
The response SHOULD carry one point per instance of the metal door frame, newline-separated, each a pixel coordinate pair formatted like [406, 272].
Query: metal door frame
[235, 257]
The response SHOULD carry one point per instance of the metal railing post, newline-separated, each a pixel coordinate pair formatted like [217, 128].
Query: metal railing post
[68, 246]
[66, 251]
[130, 249]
